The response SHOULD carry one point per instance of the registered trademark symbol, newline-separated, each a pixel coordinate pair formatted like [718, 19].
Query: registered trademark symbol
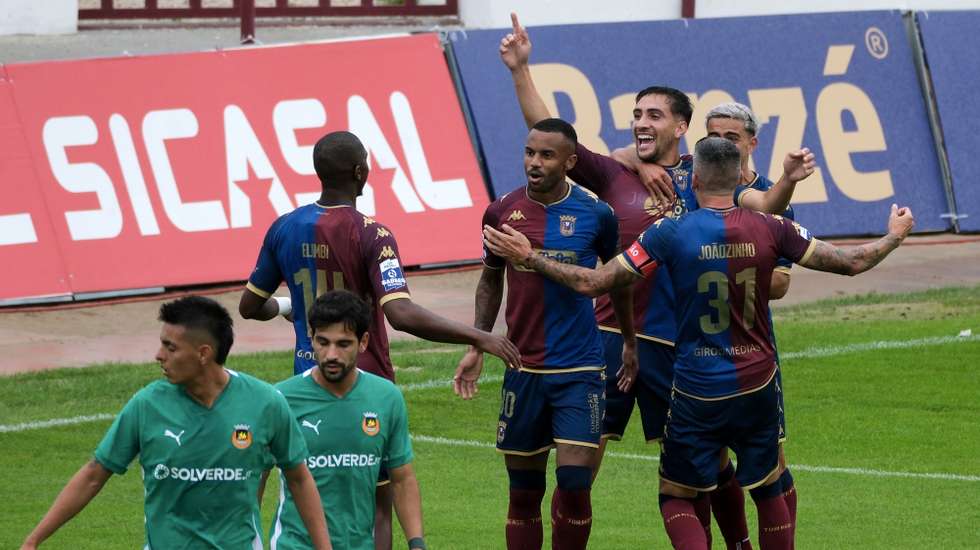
[876, 43]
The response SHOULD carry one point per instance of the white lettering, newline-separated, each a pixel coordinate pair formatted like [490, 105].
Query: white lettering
[243, 149]
[287, 117]
[17, 229]
[440, 195]
[159, 126]
[132, 174]
[84, 177]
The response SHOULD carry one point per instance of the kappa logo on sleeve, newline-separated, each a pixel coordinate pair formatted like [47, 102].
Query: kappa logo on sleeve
[391, 275]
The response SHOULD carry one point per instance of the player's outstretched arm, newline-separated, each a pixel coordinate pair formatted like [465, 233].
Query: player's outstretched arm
[303, 488]
[514, 246]
[407, 316]
[515, 50]
[858, 259]
[80, 490]
[408, 503]
[797, 166]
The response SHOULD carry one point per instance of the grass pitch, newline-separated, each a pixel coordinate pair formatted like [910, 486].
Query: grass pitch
[882, 400]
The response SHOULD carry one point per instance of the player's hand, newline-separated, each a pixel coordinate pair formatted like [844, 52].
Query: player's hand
[508, 243]
[502, 348]
[467, 374]
[653, 176]
[900, 221]
[626, 376]
[799, 164]
[515, 48]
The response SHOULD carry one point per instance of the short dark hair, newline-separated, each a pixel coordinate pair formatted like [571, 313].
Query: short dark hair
[557, 126]
[717, 163]
[340, 306]
[202, 314]
[680, 104]
[336, 155]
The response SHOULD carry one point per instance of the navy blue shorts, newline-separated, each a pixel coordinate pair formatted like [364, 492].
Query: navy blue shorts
[650, 392]
[539, 410]
[697, 430]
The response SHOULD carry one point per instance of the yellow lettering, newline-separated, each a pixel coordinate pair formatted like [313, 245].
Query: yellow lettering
[621, 108]
[838, 143]
[553, 78]
[787, 104]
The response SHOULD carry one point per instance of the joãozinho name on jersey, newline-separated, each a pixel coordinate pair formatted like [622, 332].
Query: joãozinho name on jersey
[718, 251]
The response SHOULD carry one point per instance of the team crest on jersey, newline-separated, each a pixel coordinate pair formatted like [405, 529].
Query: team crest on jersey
[386, 252]
[516, 215]
[566, 225]
[680, 179]
[370, 424]
[382, 232]
[654, 209]
[241, 438]
[501, 431]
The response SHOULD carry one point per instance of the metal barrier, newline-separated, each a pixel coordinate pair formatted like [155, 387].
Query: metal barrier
[172, 9]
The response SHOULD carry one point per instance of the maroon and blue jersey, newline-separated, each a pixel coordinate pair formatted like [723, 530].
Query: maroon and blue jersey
[622, 189]
[762, 183]
[720, 264]
[316, 249]
[552, 325]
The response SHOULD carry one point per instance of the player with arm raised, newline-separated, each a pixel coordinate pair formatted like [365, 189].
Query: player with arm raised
[661, 117]
[330, 245]
[556, 398]
[721, 270]
[737, 123]
[353, 421]
[203, 437]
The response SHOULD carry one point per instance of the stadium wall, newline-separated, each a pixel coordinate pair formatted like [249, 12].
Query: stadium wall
[843, 84]
[38, 17]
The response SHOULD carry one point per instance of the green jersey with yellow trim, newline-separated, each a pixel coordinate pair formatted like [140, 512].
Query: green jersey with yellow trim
[201, 466]
[349, 438]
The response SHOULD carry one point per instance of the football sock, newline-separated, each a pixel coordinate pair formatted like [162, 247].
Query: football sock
[702, 508]
[775, 528]
[682, 523]
[789, 495]
[571, 517]
[524, 529]
[728, 507]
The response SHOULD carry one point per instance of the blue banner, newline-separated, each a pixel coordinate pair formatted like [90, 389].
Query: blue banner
[842, 84]
[952, 47]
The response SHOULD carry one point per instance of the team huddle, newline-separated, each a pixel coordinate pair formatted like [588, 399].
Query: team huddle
[692, 248]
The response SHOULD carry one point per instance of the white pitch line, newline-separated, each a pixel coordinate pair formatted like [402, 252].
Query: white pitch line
[801, 467]
[830, 351]
[40, 424]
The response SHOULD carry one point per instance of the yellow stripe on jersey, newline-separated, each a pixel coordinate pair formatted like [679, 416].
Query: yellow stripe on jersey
[562, 371]
[809, 251]
[746, 392]
[257, 290]
[628, 266]
[639, 335]
[394, 296]
[526, 453]
[578, 443]
[783, 269]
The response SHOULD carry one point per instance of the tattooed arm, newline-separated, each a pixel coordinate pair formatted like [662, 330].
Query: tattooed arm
[489, 294]
[514, 246]
[851, 261]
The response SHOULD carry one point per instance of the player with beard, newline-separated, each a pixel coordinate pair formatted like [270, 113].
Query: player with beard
[329, 245]
[556, 399]
[661, 116]
[721, 259]
[353, 422]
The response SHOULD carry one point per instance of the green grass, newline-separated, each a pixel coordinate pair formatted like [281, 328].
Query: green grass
[912, 409]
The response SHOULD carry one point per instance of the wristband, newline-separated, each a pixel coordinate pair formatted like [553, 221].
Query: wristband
[417, 543]
[285, 305]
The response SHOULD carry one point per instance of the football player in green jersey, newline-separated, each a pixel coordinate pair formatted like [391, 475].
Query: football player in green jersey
[203, 436]
[353, 422]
